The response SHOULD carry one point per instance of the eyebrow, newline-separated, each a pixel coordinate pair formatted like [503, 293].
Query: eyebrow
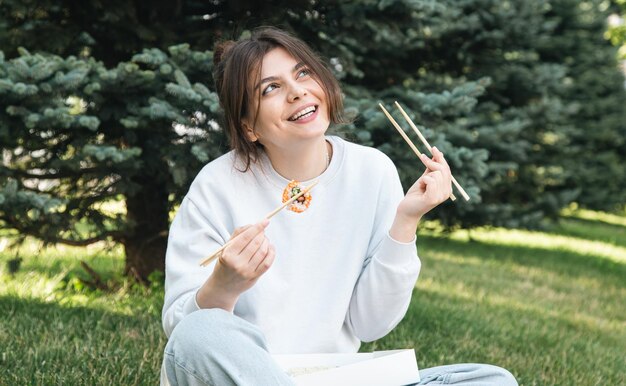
[273, 78]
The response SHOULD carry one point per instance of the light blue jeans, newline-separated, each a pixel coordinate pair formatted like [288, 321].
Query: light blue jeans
[214, 347]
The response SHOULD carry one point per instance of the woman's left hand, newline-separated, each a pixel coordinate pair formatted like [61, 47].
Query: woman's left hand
[430, 190]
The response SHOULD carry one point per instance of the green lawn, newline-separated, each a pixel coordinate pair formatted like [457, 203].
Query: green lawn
[549, 306]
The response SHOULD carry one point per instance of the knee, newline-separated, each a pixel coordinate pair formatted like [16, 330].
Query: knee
[469, 373]
[197, 347]
[501, 376]
[205, 331]
[207, 347]
[190, 334]
[209, 332]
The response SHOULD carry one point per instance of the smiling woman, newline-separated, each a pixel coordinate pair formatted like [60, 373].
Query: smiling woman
[247, 73]
[291, 116]
[302, 284]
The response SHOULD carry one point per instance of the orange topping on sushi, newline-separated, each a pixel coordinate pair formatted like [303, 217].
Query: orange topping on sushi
[302, 203]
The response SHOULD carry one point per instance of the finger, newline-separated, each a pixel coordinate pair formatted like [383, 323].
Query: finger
[425, 181]
[267, 262]
[245, 237]
[253, 246]
[439, 158]
[240, 261]
[441, 184]
[437, 154]
[431, 164]
[437, 176]
[260, 253]
[239, 230]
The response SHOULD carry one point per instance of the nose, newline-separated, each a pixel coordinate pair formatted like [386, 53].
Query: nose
[296, 91]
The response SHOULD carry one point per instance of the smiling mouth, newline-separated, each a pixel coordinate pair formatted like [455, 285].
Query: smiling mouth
[304, 113]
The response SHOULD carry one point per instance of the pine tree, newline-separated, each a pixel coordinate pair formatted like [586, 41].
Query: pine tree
[77, 134]
[597, 145]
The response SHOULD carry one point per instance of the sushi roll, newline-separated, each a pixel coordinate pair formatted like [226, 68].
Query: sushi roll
[302, 203]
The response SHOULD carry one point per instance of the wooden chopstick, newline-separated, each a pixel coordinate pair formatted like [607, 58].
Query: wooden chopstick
[271, 214]
[425, 142]
[407, 139]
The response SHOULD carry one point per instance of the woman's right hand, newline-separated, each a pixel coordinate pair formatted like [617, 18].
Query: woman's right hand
[248, 256]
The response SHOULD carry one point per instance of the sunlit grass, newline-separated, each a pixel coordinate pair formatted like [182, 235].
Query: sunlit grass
[42, 269]
[534, 239]
[608, 218]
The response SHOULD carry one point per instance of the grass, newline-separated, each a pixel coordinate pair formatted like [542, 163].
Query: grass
[53, 331]
[548, 306]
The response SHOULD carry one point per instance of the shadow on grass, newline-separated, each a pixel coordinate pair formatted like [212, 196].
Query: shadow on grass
[558, 261]
[47, 343]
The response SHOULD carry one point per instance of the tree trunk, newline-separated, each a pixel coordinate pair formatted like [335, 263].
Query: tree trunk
[145, 245]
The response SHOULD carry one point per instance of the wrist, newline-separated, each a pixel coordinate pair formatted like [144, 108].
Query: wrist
[404, 227]
[409, 218]
[212, 295]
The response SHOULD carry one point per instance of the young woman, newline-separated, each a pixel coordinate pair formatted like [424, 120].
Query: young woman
[320, 280]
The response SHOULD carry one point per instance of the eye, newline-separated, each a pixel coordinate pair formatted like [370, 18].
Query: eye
[269, 88]
[303, 72]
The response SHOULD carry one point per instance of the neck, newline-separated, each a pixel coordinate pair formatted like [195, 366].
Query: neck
[301, 163]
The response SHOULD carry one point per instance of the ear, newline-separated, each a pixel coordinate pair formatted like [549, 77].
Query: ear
[249, 132]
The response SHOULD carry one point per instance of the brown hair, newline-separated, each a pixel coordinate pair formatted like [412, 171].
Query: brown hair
[235, 62]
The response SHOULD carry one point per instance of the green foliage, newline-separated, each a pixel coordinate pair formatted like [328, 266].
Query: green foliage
[75, 133]
[596, 140]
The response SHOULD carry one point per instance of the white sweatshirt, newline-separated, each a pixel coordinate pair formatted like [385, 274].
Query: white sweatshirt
[338, 277]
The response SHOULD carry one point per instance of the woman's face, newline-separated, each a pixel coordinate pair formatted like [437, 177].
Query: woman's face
[293, 107]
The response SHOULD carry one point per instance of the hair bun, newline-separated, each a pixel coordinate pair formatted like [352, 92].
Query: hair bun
[221, 48]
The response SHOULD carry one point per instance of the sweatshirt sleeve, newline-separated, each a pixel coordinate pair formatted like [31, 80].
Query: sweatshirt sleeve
[193, 236]
[383, 291]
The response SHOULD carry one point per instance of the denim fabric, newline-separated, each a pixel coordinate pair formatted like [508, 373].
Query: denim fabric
[214, 347]
[467, 374]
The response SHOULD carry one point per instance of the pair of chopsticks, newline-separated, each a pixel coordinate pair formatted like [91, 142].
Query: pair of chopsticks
[271, 214]
[424, 141]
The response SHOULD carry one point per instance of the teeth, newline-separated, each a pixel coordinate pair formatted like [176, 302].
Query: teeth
[301, 113]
